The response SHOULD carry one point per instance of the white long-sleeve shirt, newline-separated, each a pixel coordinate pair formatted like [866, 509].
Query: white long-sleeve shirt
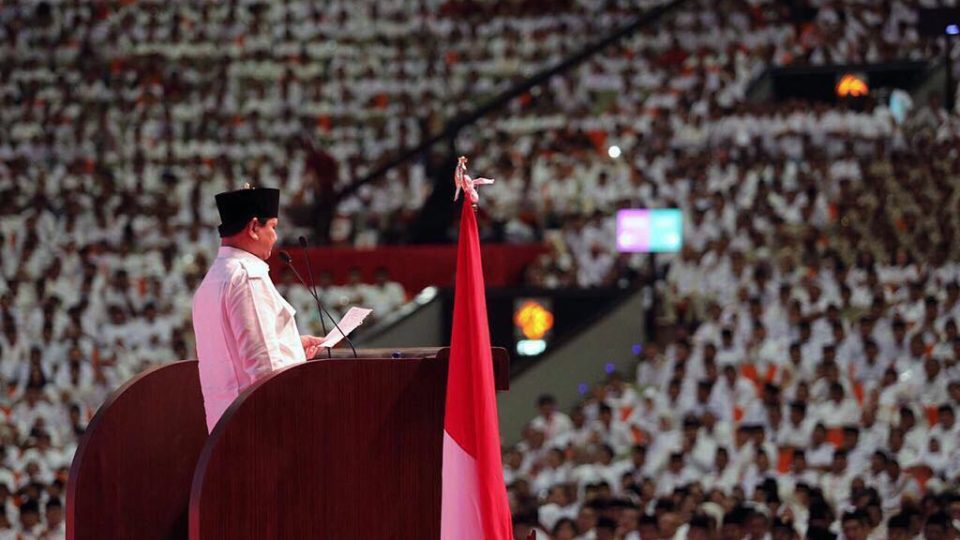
[245, 330]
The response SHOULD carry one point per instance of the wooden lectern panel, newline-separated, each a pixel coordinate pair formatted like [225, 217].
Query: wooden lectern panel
[131, 475]
[328, 449]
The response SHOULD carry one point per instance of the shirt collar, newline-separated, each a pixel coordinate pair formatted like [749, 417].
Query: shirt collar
[227, 252]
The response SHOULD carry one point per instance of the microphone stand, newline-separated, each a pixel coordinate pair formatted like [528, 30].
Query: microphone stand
[285, 257]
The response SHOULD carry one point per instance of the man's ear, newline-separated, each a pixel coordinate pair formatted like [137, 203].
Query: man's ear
[253, 228]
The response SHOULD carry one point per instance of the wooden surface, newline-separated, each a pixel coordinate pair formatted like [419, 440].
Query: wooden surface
[131, 474]
[501, 360]
[329, 449]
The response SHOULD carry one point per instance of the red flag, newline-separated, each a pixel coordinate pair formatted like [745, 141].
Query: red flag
[474, 496]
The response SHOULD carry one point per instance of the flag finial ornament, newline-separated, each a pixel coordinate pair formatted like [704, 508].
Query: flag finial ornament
[466, 183]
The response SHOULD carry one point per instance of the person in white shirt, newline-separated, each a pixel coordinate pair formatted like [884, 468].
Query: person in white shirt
[620, 396]
[244, 329]
[555, 471]
[677, 474]
[732, 391]
[30, 524]
[915, 434]
[946, 430]
[56, 525]
[873, 434]
[836, 482]
[840, 410]
[550, 421]
[899, 487]
[869, 367]
[858, 454]
[385, 295]
[929, 386]
[798, 474]
[796, 432]
[612, 432]
[722, 476]
[757, 473]
[820, 452]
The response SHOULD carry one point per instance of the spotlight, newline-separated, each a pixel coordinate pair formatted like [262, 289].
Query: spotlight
[614, 151]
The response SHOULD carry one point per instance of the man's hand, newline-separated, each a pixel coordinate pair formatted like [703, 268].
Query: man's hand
[311, 346]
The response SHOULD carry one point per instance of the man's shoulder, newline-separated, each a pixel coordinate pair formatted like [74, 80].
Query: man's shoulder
[235, 270]
[249, 268]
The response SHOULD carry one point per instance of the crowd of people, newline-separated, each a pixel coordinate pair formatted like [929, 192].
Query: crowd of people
[670, 104]
[804, 377]
[814, 234]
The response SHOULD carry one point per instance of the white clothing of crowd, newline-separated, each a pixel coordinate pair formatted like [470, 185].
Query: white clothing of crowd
[842, 353]
[122, 120]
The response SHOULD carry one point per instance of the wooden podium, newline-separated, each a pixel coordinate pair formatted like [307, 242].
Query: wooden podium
[342, 448]
[131, 474]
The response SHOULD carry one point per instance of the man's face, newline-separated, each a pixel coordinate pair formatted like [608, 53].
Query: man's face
[546, 409]
[819, 435]
[265, 235]
[54, 516]
[29, 519]
[854, 530]
[668, 524]
[586, 519]
[899, 331]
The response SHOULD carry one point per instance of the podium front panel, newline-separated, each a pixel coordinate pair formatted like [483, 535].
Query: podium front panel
[327, 449]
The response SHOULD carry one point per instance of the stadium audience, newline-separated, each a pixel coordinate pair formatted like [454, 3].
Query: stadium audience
[803, 380]
[807, 373]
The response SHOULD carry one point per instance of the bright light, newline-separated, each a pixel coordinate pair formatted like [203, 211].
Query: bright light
[531, 347]
[852, 86]
[614, 151]
[533, 319]
[953, 30]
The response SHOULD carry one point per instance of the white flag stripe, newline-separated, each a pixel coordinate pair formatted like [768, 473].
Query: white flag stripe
[460, 513]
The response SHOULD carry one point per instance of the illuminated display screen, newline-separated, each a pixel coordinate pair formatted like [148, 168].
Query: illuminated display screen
[649, 231]
[532, 321]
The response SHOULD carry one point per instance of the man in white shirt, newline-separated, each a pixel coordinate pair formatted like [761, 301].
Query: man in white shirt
[836, 482]
[677, 474]
[820, 452]
[245, 330]
[612, 432]
[797, 430]
[946, 430]
[550, 421]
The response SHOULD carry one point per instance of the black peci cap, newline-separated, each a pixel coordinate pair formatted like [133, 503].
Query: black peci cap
[238, 207]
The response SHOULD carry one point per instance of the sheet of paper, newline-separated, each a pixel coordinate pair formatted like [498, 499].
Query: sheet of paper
[351, 320]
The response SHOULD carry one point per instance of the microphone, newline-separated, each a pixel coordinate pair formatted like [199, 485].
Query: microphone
[313, 283]
[285, 257]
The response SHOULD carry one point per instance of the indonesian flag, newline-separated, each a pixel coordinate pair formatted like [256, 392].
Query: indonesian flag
[474, 503]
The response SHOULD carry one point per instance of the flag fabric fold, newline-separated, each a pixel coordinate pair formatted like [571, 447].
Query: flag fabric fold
[474, 503]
